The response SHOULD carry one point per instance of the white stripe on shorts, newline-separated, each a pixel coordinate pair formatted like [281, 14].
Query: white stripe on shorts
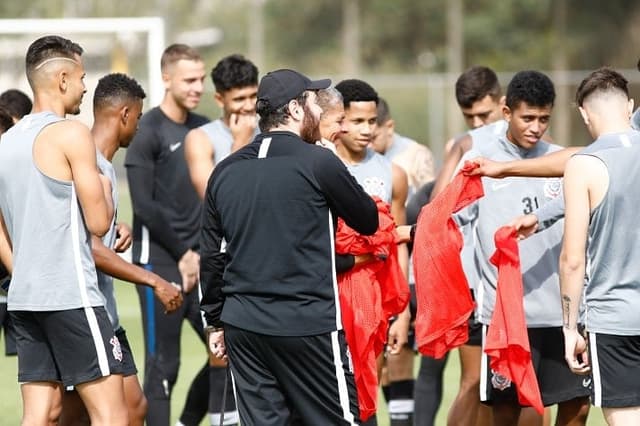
[343, 392]
[98, 342]
[483, 367]
[595, 371]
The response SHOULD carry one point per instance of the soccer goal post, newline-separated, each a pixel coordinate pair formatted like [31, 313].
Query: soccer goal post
[152, 27]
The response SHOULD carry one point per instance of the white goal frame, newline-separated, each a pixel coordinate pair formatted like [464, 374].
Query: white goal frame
[152, 26]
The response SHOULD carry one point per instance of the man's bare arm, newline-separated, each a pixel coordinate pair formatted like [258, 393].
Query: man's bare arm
[80, 151]
[199, 153]
[110, 263]
[6, 249]
[577, 193]
[550, 165]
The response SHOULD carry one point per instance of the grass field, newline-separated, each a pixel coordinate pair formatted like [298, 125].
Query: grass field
[193, 357]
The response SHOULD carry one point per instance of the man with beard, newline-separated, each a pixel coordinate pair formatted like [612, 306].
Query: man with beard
[270, 297]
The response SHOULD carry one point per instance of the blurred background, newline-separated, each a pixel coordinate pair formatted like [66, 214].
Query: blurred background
[410, 51]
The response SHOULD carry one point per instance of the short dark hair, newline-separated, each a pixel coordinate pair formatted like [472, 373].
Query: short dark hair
[16, 102]
[176, 52]
[114, 88]
[384, 114]
[602, 79]
[48, 47]
[532, 87]
[270, 118]
[234, 72]
[475, 84]
[6, 120]
[354, 90]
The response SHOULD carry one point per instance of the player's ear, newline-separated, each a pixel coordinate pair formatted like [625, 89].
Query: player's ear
[506, 112]
[585, 115]
[125, 112]
[219, 99]
[503, 101]
[630, 107]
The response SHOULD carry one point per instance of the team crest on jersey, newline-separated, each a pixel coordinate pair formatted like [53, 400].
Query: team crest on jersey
[375, 187]
[116, 349]
[498, 381]
[552, 188]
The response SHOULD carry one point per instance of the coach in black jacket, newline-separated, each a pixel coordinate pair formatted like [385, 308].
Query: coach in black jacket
[269, 290]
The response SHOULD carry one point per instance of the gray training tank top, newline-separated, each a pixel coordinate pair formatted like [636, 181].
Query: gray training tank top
[220, 137]
[53, 267]
[105, 281]
[612, 291]
[374, 174]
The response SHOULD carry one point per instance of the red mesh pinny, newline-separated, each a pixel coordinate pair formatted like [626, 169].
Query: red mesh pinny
[369, 295]
[507, 341]
[444, 301]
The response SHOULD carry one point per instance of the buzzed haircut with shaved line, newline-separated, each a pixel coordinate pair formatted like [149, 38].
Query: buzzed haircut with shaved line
[177, 52]
[475, 84]
[234, 72]
[47, 48]
[116, 87]
[603, 79]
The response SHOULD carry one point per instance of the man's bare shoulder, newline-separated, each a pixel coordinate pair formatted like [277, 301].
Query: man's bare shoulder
[66, 132]
[198, 140]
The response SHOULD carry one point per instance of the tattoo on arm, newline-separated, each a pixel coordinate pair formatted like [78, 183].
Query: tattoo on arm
[566, 305]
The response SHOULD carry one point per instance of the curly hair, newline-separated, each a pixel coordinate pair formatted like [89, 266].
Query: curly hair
[532, 87]
[354, 90]
[233, 72]
[116, 87]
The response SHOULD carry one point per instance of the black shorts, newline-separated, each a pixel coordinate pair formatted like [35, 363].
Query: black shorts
[128, 365]
[615, 368]
[73, 346]
[556, 381]
[9, 331]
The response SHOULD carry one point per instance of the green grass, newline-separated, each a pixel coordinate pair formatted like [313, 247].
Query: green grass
[193, 356]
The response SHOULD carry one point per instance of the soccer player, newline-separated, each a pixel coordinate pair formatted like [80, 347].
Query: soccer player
[601, 243]
[529, 102]
[379, 177]
[166, 221]
[48, 164]
[271, 296]
[236, 81]
[117, 107]
[415, 159]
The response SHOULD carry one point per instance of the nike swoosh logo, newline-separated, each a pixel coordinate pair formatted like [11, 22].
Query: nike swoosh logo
[174, 146]
[586, 382]
[499, 185]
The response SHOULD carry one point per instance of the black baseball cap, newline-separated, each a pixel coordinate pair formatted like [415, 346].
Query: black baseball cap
[280, 86]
